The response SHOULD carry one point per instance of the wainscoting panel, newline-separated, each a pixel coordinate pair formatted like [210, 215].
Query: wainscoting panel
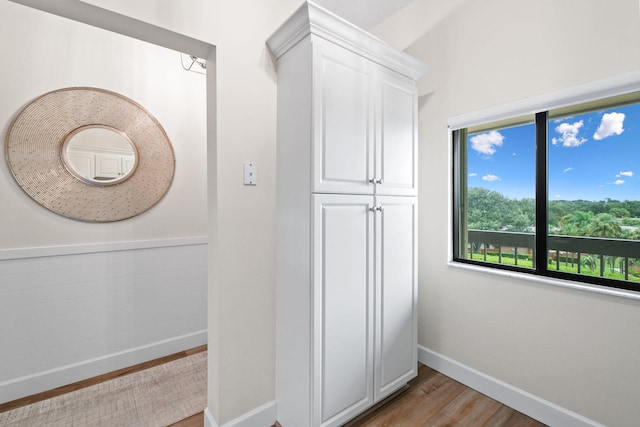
[69, 316]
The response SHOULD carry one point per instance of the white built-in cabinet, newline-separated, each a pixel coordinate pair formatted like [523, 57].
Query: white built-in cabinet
[346, 294]
[363, 125]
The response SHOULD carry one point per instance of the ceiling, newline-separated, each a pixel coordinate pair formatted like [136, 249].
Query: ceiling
[399, 22]
[364, 13]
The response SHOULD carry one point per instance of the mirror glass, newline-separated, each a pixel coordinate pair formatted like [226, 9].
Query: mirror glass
[99, 155]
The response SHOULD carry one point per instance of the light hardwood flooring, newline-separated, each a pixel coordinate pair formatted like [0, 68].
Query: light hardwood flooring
[196, 420]
[430, 400]
[435, 400]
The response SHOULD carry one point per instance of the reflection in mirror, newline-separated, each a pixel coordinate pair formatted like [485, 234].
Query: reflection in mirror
[99, 155]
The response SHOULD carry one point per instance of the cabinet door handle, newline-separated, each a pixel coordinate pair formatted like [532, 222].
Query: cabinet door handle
[376, 181]
[376, 209]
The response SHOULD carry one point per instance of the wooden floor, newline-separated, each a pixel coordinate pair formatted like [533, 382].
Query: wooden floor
[435, 400]
[430, 400]
[196, 420]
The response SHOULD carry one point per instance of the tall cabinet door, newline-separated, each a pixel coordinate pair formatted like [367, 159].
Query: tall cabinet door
[342, 306]
[396, 294]
[343, 121]
[396, 134]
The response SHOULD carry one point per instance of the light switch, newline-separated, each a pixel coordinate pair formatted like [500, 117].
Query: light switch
[250, 173]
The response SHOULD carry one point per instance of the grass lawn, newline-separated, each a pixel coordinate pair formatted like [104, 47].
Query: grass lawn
[566, 267]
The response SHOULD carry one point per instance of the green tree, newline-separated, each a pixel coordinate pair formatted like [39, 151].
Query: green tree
[490, 210]
[604, 225]
[630, 234]
[588, 261]
[575, 223]
[619, 212]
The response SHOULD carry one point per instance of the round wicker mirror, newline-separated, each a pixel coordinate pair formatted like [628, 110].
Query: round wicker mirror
[53, 152]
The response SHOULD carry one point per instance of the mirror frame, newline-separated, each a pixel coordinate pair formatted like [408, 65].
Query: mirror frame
[34, 144]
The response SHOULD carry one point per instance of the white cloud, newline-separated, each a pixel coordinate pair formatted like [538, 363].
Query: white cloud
[569, 134]
[569, 169]
[611, 124]
[490, 178]
[472, 174]
[627, 173]
[618, 182]
[486, 143]
[558, 196]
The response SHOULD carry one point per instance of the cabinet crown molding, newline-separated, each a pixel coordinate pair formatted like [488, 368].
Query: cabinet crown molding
[311, 19]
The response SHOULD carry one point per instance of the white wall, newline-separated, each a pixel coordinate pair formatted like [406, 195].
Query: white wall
[241, 219]
[80, 299]
[43, 52]
[194, 18]
[577, 349]
[574, 348]
[242, 315]
[65, 317]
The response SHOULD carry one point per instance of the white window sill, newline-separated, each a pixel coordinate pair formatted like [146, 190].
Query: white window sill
[623, 293]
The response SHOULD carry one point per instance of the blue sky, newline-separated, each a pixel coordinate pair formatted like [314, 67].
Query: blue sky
[592, 156]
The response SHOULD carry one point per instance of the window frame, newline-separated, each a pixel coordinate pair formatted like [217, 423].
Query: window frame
[544, 107]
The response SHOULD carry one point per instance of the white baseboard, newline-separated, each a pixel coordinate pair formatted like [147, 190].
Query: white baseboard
[542, 410]
[208, 419]
[64, 375]
[263, 416]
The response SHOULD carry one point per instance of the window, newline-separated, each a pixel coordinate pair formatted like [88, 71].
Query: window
[555, 193]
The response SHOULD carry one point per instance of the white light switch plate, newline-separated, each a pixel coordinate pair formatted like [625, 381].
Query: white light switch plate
[250, 173]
